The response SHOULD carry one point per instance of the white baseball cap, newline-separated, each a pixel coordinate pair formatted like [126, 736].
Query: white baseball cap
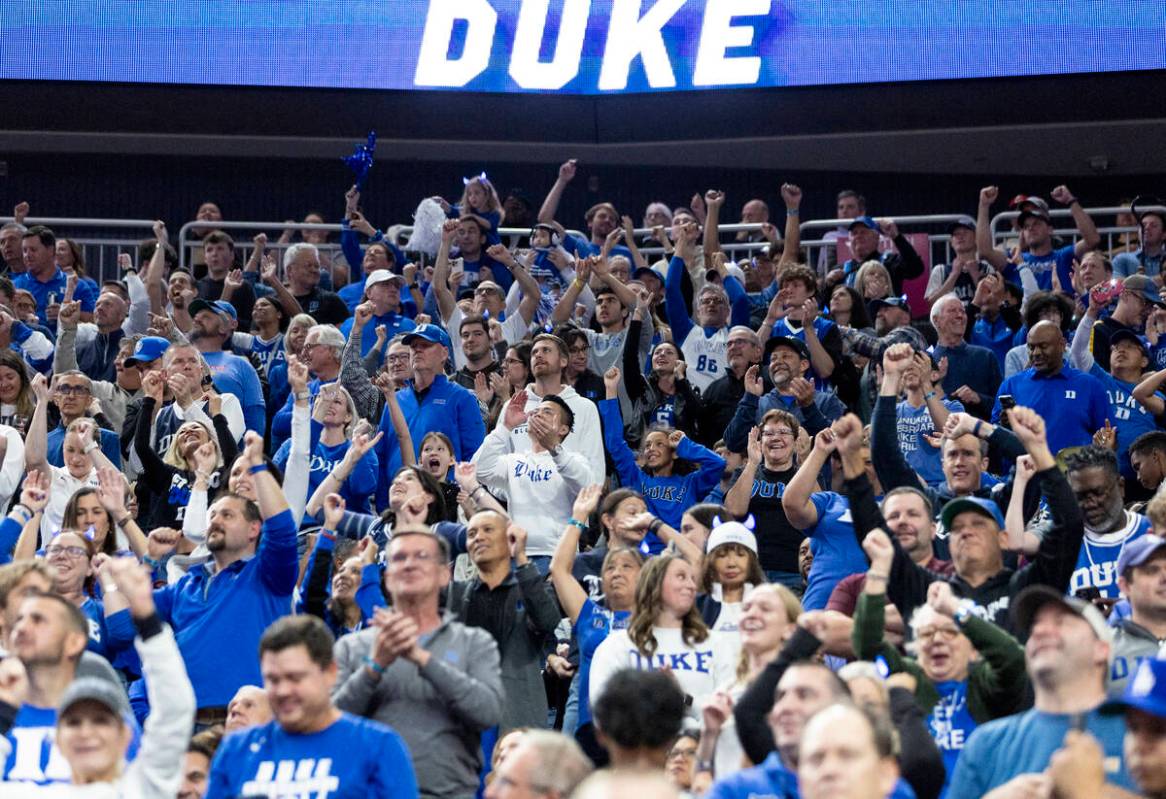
[731, 533]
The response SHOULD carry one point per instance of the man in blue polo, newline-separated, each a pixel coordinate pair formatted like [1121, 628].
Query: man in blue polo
[430, 403]
[1075, 403]
[383, 289]
[46, 281]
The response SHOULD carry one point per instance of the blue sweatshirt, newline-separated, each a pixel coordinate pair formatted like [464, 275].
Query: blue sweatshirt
[55, 446]
[235, 375]
[218, 619]
[666, 497]
[281, 422]
[394, 323]
[444, 406]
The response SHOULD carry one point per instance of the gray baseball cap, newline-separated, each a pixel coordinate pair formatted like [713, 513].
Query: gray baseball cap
[94, 689]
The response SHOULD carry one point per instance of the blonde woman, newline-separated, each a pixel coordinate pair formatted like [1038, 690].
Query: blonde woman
[169, 479]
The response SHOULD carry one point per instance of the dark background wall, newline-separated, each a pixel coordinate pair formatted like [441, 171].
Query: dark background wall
[143, 151]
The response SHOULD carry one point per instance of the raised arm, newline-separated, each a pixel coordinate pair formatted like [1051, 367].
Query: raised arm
[550, 205]
[1019, 539]
[446, 302]
[36, 440]
[1146, 392]
[353, 375]
[111, 492]
[985, 247]
[531, 293]
[26, 513]
[270, 274]
[737, 499]
[571, 595]
[564, 310]
[1090, 238]
[156, 270]
[792, 195]
[799, 509]
[602, 269]
[889, 463]
[711, 243]
[332, 484]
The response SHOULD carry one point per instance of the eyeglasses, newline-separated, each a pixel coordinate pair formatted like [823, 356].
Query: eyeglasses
[72, 391]
[400, 357]
[782, 433]
[73, 553]
[927, 633]
[685, 753]
[512, 361]
[401, 558]
[578, 350]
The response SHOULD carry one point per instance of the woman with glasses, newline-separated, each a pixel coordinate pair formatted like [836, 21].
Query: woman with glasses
[757, 490]
[967, 670]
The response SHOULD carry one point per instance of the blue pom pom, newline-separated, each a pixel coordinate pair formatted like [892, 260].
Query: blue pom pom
[361, 160]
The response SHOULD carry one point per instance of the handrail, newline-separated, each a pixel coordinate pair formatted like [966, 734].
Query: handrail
[64, 221]
[1068, 212]
[184, 242]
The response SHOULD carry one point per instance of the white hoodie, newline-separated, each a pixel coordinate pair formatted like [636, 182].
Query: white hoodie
[541, 488]
[586, 437]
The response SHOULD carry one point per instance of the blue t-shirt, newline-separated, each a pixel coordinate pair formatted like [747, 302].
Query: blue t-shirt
[1130, 417]
[1131, 263]
[836, 550]
[34, 756]
[53, 290]
[55, 446]
[1097, 560]
[268, 352]
[996, 336]
[914, 424]
[1042, 267]
[353, 758]
[1024, 743]
[591, 629]
[357, 487]
[951, 723]
[1077, 401]
[235, 375]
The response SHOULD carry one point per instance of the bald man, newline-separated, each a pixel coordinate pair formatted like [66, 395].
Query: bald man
[1075, 403]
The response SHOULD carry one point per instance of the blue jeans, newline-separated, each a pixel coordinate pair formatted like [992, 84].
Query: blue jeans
[571, 711]
[542, 563]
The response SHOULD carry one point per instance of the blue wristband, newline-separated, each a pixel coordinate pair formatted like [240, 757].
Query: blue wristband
[372, 664]
[581, 525]
[257, 468]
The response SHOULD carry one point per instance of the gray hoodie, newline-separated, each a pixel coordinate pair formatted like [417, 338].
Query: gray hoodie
[440, 710]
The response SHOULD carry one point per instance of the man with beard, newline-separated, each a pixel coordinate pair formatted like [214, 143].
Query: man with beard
[213, 325]
[703, 340]
[793, 391]
[601, 218]
[891, 313]
[249, 581]
[976, 532]
[1109, 527]
[793, 313]
[1067, 653]
[1077, 400]
[548, 360]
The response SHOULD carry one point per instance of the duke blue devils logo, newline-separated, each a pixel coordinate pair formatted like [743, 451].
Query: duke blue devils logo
[289, 778]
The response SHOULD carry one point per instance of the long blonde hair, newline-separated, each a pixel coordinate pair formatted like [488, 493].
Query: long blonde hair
[793, 609]
[176, 459]
[650, 604]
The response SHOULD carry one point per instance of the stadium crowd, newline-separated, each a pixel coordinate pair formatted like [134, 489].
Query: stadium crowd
[550, 515]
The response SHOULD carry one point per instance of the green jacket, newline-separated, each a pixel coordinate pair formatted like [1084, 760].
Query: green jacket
[996, 681]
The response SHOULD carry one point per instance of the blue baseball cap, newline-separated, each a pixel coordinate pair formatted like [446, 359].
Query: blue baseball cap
[891, 302]
[1145, 691]
[147, 350]
[964, 222]
[866, 221]
[1138, 551]
[218, 306]
[1129, 335]
[984, 507]
[429, 332]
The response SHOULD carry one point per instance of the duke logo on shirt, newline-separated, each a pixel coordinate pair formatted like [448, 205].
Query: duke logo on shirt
[287, 778]
[1070, 394]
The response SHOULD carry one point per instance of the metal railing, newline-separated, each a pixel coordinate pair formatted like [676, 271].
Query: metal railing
[100, 245]
[1110, 233]
[188, 243]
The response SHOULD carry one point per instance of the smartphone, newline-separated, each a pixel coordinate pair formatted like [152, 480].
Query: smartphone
[1007, 403]
[1107, 292]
